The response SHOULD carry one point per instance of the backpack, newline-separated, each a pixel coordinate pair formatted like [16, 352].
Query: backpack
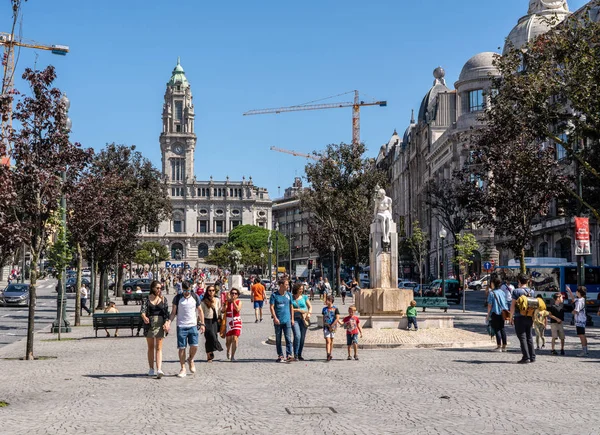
[178, 297]
[527, 304]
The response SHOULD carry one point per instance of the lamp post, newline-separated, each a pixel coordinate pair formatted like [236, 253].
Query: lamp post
[270, 242]
[61, 324]
[332, 248]
[262, 264]
[276, 249]
[155, 255]
[443, 234]
[291, 236]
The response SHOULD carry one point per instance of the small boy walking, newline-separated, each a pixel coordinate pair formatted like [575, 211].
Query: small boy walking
[540, 322]
[352, 326]
[411, 315]
[331, 320]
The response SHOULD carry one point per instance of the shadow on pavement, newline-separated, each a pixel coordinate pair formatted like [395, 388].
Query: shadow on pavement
[115, 375]
[483, 362]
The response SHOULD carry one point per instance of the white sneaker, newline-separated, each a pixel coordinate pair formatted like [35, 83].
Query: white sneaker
[498, 349]
[181, 373]
[582, 354]
[151, 372]
[159, 374]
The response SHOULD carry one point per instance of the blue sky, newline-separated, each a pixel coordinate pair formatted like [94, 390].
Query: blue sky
[241, 55]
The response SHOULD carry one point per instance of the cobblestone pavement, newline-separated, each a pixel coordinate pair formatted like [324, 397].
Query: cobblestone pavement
[99, 386]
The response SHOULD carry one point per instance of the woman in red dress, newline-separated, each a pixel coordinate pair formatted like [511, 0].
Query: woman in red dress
[233, 320]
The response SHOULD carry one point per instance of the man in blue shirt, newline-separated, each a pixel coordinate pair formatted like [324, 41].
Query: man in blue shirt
[523, 324]
[282, 312]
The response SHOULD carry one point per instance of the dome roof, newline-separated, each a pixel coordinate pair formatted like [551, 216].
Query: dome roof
[536, 22]
[480, 66]
[439, 85]
[178, 76]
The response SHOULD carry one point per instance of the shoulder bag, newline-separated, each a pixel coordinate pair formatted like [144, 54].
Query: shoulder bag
[505, 313]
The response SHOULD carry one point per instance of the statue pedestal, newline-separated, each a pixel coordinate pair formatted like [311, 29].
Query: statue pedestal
[235, 281]
[381, 301]
[383, 262]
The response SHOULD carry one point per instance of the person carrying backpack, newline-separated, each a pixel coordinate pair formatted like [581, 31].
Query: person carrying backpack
[523, 319]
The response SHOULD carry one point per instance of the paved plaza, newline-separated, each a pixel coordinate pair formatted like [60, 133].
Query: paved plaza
[99, 386]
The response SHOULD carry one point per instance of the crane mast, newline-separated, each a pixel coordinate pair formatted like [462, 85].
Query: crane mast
[356, 105]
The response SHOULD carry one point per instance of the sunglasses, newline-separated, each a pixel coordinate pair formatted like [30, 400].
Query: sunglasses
[235, 293]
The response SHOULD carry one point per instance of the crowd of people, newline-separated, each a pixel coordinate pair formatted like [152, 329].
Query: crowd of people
[528, 313]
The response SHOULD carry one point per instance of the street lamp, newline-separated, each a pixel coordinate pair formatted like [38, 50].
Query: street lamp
[332, 248]
[262, 263]
[276, 249]
[61, 324]
[443, 234]
[155, 255]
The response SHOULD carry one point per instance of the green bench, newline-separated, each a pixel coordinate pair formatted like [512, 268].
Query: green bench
[117, 320]
[432, 302]
[134, 296]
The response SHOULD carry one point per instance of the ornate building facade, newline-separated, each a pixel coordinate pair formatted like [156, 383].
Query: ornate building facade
[432, 148]
[204, 212]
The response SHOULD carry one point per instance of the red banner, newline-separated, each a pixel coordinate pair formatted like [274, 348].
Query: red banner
[582, 236]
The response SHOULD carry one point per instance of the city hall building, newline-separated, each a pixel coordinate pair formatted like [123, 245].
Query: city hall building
[204, 212]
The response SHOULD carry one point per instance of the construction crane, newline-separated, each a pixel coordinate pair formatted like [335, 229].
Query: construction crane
[356, 105]
[295, 153]
[9, 42]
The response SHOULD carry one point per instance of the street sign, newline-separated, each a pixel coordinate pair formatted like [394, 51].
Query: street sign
[487, 265]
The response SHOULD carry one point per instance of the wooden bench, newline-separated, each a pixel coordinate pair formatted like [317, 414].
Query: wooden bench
[117, 321]
[134, 296]
[432, 302]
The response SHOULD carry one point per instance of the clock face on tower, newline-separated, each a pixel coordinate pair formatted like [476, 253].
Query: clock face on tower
[178, 149]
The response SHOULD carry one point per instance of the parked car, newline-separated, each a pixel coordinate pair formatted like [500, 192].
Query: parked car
[452, 290]
[71, 284]
[129, 289]
[481, 283]
[266, 283]
[421, 290]
[86, 272]
[15, 295]
[407, 284]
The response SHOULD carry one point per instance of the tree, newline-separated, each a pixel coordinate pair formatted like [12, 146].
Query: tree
[144, 254]
[339, 202]
[41, 150]
[219, 256]
[465, 245]
[252, 240]
[419, 246]
[543, 114]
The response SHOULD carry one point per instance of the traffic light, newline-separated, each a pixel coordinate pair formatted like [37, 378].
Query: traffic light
[310, 264]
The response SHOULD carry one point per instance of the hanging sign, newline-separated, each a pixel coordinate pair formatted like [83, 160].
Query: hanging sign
[582, 236]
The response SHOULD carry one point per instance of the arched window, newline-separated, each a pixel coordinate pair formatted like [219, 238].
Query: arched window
[562, 249]
[202, 250]
[543, 250]
[176, 251]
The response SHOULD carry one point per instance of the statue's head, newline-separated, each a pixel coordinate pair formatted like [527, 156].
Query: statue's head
[381, 193]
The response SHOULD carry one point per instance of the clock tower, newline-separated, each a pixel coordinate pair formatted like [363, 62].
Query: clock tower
[178, 140]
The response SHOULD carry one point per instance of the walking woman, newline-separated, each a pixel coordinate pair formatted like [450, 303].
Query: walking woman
[232, 309]
[302, 310]
[155, 314]
[343, 289]
[496, 304]
[211, 307]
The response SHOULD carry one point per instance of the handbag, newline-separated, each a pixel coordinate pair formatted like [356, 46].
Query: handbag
[505, 313]
[223, 327]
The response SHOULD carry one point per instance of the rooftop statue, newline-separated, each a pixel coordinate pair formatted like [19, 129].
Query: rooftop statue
[537, 6]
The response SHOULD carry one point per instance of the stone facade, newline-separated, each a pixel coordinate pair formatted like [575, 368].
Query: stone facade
[204, 212]
[432, 148]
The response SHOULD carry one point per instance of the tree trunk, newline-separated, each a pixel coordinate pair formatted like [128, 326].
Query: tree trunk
[119, 279]
[32, 302]
[522, 261]
[101, 295]
[338, 267]
[78, 286]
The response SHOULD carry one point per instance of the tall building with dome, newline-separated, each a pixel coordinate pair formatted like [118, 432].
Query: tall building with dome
[204, 212]
[432, 148]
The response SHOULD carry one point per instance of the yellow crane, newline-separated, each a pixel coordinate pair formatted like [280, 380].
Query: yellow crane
[356, 105]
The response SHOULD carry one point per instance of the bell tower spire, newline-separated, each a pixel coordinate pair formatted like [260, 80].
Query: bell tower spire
[178, 140]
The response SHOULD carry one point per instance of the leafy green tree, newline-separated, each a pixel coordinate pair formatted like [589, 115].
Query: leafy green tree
[41, 150]
[339, 202]
[220, 256]
[144, 254]
[256, 239]
[465, 246]
[418, 244]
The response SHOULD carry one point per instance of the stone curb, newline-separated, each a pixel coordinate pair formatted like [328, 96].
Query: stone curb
[366, 346]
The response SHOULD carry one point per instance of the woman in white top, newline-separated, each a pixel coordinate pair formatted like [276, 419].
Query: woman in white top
[211, 307]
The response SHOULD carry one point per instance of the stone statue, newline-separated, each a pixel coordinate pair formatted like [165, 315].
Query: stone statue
[383, 214]
[537, 6]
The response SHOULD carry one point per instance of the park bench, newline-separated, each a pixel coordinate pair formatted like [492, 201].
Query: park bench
[432, 302]
[117, 320]
[134, 296]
